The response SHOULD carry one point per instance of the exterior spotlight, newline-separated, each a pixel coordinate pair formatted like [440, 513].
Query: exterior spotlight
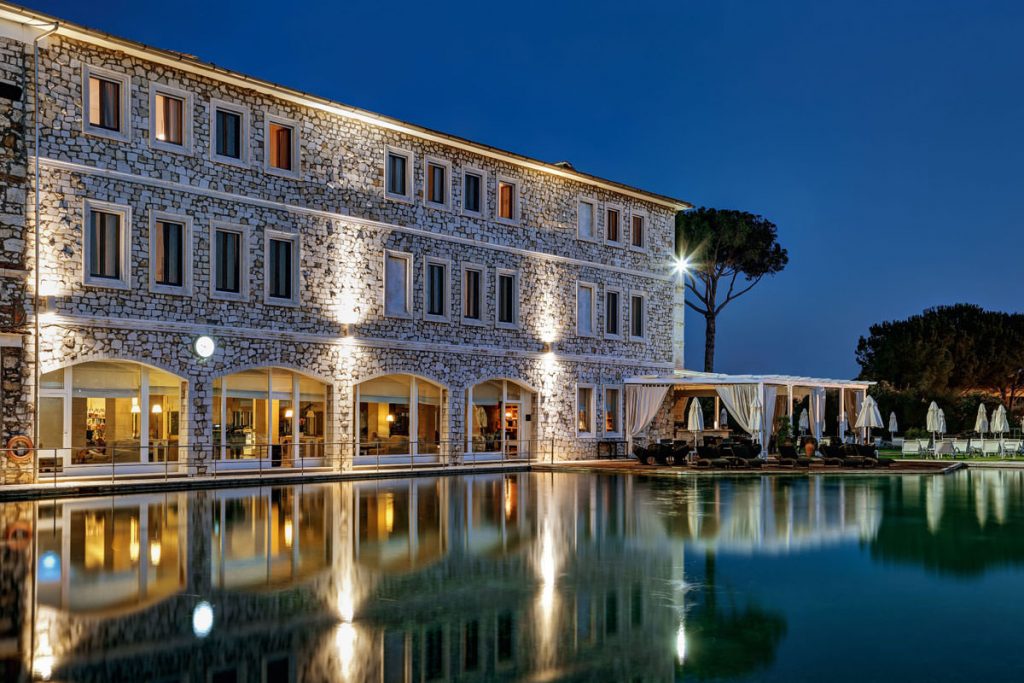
[683, 265]
[547, 347]
[202, 619]
[204, 346]
[344, 330]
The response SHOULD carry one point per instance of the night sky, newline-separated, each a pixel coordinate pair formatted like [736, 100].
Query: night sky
[884, 138]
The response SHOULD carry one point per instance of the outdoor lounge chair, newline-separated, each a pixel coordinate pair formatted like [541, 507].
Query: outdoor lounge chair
[790, 457]
[741, 455]
[944, 448]
[911, 447]
[1012, 447]
[961, 447]
[710, 456]
[990, 447]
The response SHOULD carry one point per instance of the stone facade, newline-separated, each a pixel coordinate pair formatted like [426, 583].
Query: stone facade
[336, 204]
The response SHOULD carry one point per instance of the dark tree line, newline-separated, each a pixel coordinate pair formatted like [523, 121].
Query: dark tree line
[949, 353]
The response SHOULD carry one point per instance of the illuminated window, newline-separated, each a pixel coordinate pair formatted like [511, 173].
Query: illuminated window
[107, 245]
[107, 95]
[637, 232]
[438, 190]
[282, 146]
[612, 410]
[169, 240]
[508, 200]
[399, 415]
[170, 118]
[584, 410]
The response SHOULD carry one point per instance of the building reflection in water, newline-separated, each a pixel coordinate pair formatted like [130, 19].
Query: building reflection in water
[468, 578]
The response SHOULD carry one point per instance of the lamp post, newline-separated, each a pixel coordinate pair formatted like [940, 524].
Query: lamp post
[682, 269]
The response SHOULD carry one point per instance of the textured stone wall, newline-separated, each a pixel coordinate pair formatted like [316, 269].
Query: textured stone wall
[338, 208]
[15, 387]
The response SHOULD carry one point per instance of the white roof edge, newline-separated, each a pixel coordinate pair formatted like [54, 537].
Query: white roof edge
[693, 377]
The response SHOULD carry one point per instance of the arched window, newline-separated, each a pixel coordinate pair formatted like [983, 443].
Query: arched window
[399, 415]
[500, 418]
[270, 414]
[104, 412]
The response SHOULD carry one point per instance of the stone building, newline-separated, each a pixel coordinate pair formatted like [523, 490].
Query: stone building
[373, 290]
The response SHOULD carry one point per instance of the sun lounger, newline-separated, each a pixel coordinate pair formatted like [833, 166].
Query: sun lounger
[1012, 447]
[961, 447]
[990, 447]
[911, 447]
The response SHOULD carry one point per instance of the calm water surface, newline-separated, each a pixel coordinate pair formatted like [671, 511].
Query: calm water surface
[524, 577]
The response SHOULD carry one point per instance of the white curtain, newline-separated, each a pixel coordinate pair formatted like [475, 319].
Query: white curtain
[770, 394]
[817, 411]
[642, 403]
[737, 399]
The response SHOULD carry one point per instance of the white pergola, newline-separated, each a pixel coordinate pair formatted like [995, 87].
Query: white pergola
[645, 394]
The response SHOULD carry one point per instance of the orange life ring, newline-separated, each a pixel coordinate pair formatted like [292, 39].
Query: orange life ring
[19, 449]
[18, 535]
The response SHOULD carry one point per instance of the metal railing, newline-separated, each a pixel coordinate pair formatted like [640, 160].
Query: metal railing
[118, 462]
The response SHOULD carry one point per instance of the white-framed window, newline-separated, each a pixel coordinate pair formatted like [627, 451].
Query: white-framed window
[282, 277]
[507, 205]
[474, 287]
[437, 182]
[637, 316]
[397, 284]
[586, 318]
[229, 261]
[638, 231]
[106, 103]
[229, 133]
[397, 173]
[613, 313]
[281, 146]
[170, 119]
[585, 404]
[474, 191]
[613, 225]
[436, 289]
[108, 245]
[613, 410]
[506, 298]
[586, 213]
[170, 253]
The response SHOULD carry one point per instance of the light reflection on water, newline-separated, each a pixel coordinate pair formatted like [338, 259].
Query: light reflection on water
[517, 576]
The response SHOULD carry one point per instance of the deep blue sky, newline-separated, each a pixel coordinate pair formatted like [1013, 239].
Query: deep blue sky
[884, 138]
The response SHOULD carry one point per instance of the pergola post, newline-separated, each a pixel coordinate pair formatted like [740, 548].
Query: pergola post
[842, 414]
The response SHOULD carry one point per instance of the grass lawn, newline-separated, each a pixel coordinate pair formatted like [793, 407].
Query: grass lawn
[894, 453]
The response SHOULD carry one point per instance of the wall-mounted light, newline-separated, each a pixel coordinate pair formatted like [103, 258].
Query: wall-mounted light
[202, 619]
[204, 346]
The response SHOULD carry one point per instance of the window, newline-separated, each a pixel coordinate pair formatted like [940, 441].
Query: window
[585, 220]
[399, 415]
[170, 240]
[613, 225]
[612, 311]
[435, 295]
[584, 410]
[106, 96]
[230, 138]
[170, 118]
[637, 232]
[472, 294]
[397, 284]
[508, 200]
[585, 309]
[472, 191]
[507, 296]
[611, 410]
[498, 419]
[282, 268]
[437, 191]
[398, 174]
[282, 146]
[107, 245]
[230, 262]
[637, 316]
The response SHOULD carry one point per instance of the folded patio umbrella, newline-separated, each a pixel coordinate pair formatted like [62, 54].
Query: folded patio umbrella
[805, 421]
[757, 418]
[843, 424]
[981, 422]
[932, 419]
[1000, 425]
[723, 419]
[869, 417]
[695, 419]
[942, 421]
[893, 426]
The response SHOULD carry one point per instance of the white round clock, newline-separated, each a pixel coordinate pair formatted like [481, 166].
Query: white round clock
[204, 346]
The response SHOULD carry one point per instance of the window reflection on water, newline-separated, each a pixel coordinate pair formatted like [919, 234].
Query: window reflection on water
[479, 577]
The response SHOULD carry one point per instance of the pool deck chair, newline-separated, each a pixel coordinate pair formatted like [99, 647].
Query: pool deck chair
[1012, 447]
[961, 447]
[911, 447]
[990, 447]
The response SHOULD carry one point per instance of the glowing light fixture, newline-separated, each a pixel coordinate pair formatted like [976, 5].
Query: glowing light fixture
[155, 553]
[288, 414]
[135, 406]
[683, 265]
[288, 532]
[681, 643]
[157, 409]
[390, 418]
[204, 346]
[202, 619]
